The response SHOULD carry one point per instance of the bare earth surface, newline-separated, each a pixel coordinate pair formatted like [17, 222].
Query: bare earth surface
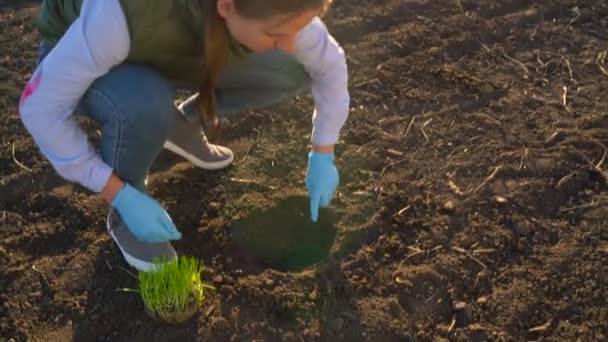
[472, 206]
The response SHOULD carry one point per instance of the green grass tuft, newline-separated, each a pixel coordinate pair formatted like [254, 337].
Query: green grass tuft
[174, 291]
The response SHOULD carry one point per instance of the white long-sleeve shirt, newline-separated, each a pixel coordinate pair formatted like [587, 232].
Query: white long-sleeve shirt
[99, 40]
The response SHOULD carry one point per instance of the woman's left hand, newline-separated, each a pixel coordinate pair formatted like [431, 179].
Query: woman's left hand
[321, 181]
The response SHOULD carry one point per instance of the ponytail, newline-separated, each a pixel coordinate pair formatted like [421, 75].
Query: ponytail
[214, 57]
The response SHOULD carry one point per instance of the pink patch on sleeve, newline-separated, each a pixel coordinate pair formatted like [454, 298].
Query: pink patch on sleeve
[31, 87]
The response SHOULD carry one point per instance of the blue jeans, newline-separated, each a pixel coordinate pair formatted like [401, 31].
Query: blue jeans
[134, 104]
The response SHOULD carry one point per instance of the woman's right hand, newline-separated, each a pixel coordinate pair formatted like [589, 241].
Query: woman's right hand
[144, 216]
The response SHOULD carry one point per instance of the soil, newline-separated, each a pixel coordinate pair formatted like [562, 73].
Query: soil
[473, 203]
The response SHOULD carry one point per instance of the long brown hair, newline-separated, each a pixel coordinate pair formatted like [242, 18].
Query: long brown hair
[216, 43]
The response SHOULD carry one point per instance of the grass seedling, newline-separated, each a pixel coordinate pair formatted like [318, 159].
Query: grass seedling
[174, 291]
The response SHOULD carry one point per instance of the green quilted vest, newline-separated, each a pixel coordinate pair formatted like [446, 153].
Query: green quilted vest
[165, 34]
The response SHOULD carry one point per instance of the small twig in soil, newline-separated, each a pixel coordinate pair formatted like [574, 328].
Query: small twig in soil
[389, 120]
[455, 150]
[535, 31]
[436, 248]
[36, 270]
[390, 137]
[394, 152]
[602, 173]
[414, 249]
[484, 46]
[582, 155]
[521, 161]
[476, 282]
[459, 249]
[391, 165]
[602, 56]
[433, 295]
[599, 164]
[128, 272]
[403, 210]
[467, 253]
[582, 206]
[545, 81]
[407, 131]
[565, 179]
[599, 61]
[95, 308]
[364, 145]
[459, 3]
[565, 100]
[422, 129]
[569, 69]
[402, 281]
[484, 251]
[452, 325]
[540, 24]
[425, 135]
[274, 153]
[490, 177]
[18, 162]
[413, 254]
[541, 328]
[366, 82]
[540, 61]
[251, 181]
[455, 188]
[578, 15]
[209, 311]
[594, 167]
[475, 305]
[518, 62]
[500, 199]
[254, 145]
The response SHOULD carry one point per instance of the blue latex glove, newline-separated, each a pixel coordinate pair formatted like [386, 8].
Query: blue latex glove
[321, 181]
[144, 217]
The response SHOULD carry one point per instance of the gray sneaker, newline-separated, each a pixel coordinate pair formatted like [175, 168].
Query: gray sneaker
[137, 253]
[188, 140]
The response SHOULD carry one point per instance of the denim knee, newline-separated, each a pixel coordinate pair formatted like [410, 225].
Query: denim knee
[134, 104]
[151, 119]
[141, 101]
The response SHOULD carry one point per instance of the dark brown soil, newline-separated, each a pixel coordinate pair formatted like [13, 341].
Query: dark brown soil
[473, 202]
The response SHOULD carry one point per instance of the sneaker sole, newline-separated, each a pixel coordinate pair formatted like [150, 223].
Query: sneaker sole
[197, 162]
[140, 265]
